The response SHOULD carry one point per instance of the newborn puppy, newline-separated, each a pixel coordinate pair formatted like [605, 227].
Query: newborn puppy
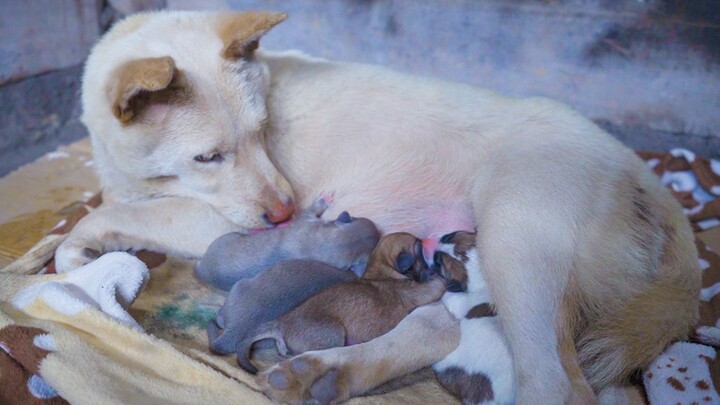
[474, 375]
[354, 312]
[447, 255]
[343, 243]
[252, 302]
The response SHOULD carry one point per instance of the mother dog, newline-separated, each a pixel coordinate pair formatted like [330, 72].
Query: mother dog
[196, 134]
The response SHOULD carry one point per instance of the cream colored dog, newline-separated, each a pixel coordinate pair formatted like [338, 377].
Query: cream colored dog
[195, 134]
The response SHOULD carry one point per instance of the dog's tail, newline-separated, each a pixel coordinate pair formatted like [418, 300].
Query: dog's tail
[612, 349]
[268, 330]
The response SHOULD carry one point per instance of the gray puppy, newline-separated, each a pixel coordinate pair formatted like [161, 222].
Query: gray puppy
[252, 302]
[345, 243]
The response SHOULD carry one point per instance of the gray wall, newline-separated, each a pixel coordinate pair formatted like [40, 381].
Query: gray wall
[648, 71]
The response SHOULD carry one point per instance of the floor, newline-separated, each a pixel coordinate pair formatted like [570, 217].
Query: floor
[37, 196]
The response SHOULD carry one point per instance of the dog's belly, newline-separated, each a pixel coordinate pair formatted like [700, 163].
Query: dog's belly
[421, 191]
[401, 213]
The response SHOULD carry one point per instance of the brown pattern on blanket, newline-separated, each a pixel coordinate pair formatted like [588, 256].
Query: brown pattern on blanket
[695, 183]
[20, 357]
[151, 259]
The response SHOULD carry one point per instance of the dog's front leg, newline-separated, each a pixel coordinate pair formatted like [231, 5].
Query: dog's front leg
[424, 337]
[179, 226]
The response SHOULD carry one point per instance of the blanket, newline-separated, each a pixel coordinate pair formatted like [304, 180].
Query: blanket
[123, 330]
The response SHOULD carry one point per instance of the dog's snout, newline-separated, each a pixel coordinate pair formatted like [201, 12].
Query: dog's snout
[280, 212]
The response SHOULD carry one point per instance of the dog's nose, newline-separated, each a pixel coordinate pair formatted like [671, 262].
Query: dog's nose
[280, 212]
[430, 245]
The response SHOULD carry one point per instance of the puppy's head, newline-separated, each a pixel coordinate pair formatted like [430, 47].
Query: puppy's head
[398, 256]
[354, 240]
[447, 255]
[176, 106]
[344, 241]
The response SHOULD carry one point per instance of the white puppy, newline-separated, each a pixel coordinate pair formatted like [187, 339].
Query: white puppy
[480, 370]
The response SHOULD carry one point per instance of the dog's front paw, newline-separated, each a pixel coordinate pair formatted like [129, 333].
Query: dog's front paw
[305, 377]
[76, 252]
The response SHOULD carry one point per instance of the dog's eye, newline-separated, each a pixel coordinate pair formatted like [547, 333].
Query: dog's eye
[209, 157]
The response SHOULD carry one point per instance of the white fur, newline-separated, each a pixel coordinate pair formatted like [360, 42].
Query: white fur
[483, 347]
[109, 284]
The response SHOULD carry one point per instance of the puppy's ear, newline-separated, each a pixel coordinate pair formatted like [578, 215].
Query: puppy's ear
[241, 32]
[359, 267]
[135, 81]
[404, 262]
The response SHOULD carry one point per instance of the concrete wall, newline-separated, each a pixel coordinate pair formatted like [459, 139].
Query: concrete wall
[41, 36]
[627, 62]
[648, 71]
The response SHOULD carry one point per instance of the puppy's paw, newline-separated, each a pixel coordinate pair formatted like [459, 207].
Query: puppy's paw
[305, 377]
[318, 207]
[75, 253]
[327, 197]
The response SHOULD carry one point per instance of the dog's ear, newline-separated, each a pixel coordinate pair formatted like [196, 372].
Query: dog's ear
[135, 81]
[241, 32]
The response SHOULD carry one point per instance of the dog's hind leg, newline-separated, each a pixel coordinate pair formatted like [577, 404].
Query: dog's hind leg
[335, 375]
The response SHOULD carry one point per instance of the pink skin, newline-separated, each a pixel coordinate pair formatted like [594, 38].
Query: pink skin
[430, 246]
[328, 197]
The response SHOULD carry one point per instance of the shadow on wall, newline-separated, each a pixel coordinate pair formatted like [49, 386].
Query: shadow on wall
[694, 25]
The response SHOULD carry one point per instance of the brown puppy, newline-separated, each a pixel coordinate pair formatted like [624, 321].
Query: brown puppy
[358, 311]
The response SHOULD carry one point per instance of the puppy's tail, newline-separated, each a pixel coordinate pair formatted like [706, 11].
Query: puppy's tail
[268, 330]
